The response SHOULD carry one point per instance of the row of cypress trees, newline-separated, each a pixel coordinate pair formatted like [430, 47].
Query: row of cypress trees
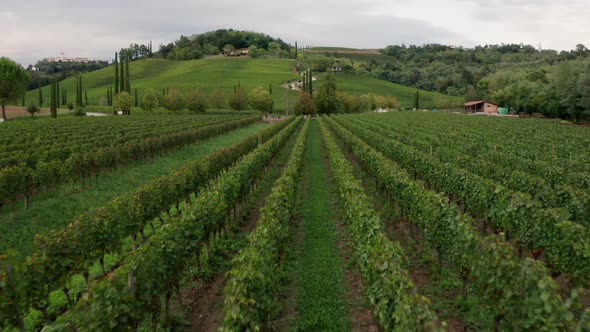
[122, 81]
[308, 81]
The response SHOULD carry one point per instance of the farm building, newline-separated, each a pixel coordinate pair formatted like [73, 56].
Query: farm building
[481, 106]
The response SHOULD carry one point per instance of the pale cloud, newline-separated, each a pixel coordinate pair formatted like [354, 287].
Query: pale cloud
[33, 29]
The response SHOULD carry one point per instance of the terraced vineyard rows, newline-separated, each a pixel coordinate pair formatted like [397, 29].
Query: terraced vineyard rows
[442, 227]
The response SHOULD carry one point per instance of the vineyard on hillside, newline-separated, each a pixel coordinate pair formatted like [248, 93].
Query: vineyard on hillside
[424, 222]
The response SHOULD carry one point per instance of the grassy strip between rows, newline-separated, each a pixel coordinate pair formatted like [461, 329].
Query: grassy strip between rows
[89, 237]
[134, 291]
[189, 311]
[251, 293]
[520, 293]
[320, 289]
[387, 283]
[565, 243]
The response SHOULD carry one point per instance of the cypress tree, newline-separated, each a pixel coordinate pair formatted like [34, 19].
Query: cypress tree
[310, 78]
[77, 95]
[57, 94]
[127, 80]
[116, 65]
[80, 91]
[417, 100]
[23, 100]
[122, 76]
[40, 95]
[53, 103]
[163, 92]
[136, 99]
[296, 50]
[85, 96]
[270, 89]
[304, 82]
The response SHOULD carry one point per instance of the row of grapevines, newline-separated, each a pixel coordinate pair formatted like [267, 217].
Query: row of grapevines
[22, 180]
[524, 155]
[528, 140]
[521, 294]
[61, 254]
[82, 140]
[134, 291]
[566, 244]
[49, 144]
[251, 292]
[496, 166]
[386, 282]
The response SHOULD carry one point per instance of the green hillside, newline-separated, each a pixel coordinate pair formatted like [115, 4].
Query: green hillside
[207, 74]
[357, 83]
[223, 73]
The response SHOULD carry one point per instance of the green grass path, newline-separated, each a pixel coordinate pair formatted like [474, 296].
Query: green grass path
[54, 210]
[320, 289]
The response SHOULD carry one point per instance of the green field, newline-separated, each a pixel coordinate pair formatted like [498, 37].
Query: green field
[365, 84]
[223, 73]
[207, 74]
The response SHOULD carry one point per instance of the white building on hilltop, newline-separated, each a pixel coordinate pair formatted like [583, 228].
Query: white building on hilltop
[62, 58]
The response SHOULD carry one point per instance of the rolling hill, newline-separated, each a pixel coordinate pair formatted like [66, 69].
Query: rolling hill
[223, 73]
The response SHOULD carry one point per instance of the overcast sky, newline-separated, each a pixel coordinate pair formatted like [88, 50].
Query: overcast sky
[36, 29]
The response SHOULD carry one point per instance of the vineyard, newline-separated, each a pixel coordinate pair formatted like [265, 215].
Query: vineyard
[401, 221]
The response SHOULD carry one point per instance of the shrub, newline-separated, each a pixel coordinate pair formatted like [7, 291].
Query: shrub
[196, 101]
[305, 105]
[174, 101]
[239, 100]
[260, 99]
[32, 109]
[217, 99]
[150, 100]
[80, 112]
[123, 102]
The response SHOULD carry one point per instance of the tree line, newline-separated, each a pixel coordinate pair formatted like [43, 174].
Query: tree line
[518, 76]
[328, 100]
[227, 42]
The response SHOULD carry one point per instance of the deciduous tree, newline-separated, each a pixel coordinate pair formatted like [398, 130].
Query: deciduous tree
[13, 82]
[123, 102]
[150, 100]
[239, 100]
[196, 101]
[174, 100]
[305, 104]
[326, 98]
[260, 99]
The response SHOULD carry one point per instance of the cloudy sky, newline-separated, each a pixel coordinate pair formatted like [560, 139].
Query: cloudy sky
[35, 29]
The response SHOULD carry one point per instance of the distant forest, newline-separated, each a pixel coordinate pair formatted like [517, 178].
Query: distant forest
[46, 70]
[214, 42]
[518, 76]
